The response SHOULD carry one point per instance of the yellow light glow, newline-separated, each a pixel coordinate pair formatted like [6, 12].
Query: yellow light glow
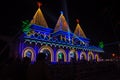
[78, 31]
[39, 19]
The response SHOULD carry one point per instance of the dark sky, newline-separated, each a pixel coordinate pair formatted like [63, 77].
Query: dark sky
[99, 19]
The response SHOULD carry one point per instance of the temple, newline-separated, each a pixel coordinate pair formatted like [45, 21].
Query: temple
[59, 44]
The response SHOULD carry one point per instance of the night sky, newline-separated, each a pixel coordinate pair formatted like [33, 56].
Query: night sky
[99, 19]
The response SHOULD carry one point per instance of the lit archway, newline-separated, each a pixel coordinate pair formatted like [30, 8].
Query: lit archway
[43, 48]
[97, 57]
[83, 56]
[47, 53]
[73, 54]
[61, 51]
[90, 56]
[29, 52]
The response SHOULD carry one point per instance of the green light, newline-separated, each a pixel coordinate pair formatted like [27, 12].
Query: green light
[25, 26]
[101, 44]
[60, 56]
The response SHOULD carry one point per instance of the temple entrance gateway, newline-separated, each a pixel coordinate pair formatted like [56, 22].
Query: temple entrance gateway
[48, 51]
[48, 55]
[72, 56]
[96, 57]
[82, 57]
[90, 56]
[60, 57]
[29, 52]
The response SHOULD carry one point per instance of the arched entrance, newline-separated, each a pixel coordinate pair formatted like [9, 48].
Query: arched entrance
[83, 56]
[29, 52]
[48, 51]
[90, 56]
[61, 56]
[73, 55]
[97, 57]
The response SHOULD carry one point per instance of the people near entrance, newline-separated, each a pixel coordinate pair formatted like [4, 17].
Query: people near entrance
[48, 55]
[39, 70]
[40, 58]
[73, 60]
[26, 60]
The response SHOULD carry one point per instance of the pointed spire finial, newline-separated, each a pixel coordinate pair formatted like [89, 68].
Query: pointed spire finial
[61, 12]
[38, 17]
[39, 4]
[77, 20]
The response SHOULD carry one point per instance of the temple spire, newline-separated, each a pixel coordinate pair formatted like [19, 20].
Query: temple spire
[38, 18]
[61, 24]
[78, 31]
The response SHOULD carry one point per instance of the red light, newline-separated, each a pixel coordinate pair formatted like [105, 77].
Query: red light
[113, 54]
[39, 4]
[77, 20]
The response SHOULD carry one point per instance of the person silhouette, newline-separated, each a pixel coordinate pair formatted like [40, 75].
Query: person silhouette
[39, 70]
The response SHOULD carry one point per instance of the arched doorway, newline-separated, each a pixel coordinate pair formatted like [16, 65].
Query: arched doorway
[29, 52]
[48, 51]
[83, 56]
[73, 55]
[61, 56]
[90, 56]
[97, 57]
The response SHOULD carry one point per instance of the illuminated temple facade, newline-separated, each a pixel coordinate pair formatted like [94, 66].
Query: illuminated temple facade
[59, 44]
